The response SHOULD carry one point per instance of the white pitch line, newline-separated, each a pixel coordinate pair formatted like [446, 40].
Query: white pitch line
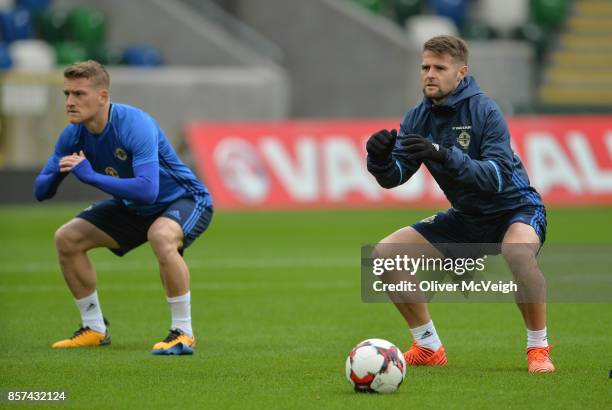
[211, 264]
[206, 286]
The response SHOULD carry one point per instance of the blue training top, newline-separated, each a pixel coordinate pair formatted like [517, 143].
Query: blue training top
[131, 146]
[481, 175]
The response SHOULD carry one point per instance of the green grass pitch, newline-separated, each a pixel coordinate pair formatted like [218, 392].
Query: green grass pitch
[276, 309]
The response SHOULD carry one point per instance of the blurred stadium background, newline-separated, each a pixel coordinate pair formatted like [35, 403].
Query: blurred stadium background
[271, 102]
[187, 61]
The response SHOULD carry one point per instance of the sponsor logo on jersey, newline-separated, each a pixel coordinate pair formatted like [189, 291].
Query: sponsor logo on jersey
[111, 171]
[120, 154]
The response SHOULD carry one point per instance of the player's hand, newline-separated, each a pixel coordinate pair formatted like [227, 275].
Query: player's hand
[70, 161]
[421, 148]
[380, 145]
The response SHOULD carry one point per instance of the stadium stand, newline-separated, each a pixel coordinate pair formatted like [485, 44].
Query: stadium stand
[579, 70]
[212, 75]
[75, 34]
[570, 40]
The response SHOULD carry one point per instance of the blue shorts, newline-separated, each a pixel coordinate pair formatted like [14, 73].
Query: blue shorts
[452, 226]
[129, 229]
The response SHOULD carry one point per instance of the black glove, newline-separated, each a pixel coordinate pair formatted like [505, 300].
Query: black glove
[380, 145]
[421, 148]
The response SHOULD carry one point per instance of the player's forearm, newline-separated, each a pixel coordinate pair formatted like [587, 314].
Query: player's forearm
[143, 188]
[139, 189]
[387, 173]
[485, 175]
[46, 184]
[394, 172]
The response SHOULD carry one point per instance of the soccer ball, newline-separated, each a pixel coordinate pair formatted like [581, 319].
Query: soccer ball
[375, 366]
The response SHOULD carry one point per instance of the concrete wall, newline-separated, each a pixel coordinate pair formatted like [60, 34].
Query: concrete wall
[343, 62]
[346, 62]
[505, 71]
[172, 95]
[176, 95]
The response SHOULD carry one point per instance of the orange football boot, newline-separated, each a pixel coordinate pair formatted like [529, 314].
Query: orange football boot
[84, 337]
[538, 360]
[421, 356]
[176, 343]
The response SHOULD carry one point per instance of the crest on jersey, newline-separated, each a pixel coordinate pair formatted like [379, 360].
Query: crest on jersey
[464, 139]
[111, 172]
[120, 154]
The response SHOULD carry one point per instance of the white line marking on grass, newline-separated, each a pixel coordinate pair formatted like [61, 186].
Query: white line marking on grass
[234, 263]
[206, 286]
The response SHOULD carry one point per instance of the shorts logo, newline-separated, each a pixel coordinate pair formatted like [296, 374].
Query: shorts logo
[120, 154]
[111, 171]
[175, 213]
[464, 139]
[429, 219]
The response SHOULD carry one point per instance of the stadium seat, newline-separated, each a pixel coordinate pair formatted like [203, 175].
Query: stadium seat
[478, 31]
[32, 55]
[106, 55]
[88, 26]
[52, 26]
[16, 24]
[34, 6]
[68, 52]
[537, 36]
[503, 15]
[404, 9]
[421, 28]
[6, 62]
[550, 13]
[455, 10]
[142, 55]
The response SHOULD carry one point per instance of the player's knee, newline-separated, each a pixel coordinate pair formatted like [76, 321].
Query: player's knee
[519, 253]
[67, 240]
[406, 241]
[164, 240]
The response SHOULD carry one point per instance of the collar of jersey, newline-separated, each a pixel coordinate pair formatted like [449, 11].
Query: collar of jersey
[106, 127]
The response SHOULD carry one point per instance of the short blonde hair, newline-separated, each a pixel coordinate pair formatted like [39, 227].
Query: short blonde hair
[91, 70]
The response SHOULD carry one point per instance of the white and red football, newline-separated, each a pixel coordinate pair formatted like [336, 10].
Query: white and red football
[375, 366]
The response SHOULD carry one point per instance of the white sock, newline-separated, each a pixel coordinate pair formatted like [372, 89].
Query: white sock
[91, 314]
[426, 336]
[180, 306]
[537, 338]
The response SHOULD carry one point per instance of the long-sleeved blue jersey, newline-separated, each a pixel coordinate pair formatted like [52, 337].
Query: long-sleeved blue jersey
[131, 142]
[481, 174]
